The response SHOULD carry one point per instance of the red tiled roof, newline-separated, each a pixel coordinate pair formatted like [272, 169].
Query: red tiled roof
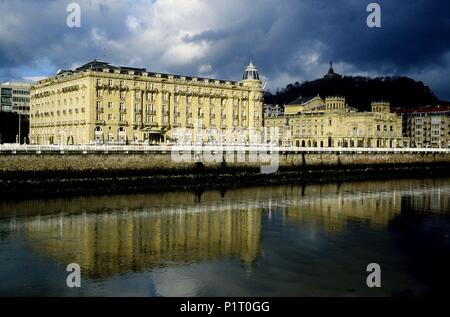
[438, 108]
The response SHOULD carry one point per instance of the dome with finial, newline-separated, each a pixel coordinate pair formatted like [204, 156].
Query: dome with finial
[251, 73]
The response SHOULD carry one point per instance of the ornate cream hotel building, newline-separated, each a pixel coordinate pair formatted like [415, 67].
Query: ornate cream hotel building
[99, 103]
[315, 122]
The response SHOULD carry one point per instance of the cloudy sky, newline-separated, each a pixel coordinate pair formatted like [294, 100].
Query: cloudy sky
[288, 40]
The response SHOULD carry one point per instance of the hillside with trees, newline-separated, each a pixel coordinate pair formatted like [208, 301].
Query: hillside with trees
[359, 91]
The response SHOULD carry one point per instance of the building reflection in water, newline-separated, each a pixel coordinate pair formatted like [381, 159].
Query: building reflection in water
[110, 243]
[118, 234]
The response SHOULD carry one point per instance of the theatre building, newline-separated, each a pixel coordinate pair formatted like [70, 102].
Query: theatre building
[315, 122]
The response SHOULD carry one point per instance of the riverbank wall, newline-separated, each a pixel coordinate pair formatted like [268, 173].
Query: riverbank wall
[110, 170]
[166, 162]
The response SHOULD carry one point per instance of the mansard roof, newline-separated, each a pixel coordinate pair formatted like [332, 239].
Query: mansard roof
[100, 66]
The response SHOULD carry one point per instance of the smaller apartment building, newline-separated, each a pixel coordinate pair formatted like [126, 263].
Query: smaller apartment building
[426, 127]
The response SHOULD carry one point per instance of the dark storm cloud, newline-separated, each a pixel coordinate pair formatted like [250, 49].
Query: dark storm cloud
[413, 33]
[37, 30]
[289, 40]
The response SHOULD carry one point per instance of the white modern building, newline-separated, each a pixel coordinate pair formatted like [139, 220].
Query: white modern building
[273, 110]
[15, 97]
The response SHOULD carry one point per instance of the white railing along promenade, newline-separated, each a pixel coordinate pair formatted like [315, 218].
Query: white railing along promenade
[146, 149]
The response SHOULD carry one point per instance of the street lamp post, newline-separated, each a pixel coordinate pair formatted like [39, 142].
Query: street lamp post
[20, 127]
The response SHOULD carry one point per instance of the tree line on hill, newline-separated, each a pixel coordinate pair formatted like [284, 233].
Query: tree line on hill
[360, 91]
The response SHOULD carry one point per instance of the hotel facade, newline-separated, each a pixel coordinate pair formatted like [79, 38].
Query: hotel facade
[99, 103]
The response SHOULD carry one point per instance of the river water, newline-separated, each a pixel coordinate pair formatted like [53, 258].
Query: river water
[312, 240]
